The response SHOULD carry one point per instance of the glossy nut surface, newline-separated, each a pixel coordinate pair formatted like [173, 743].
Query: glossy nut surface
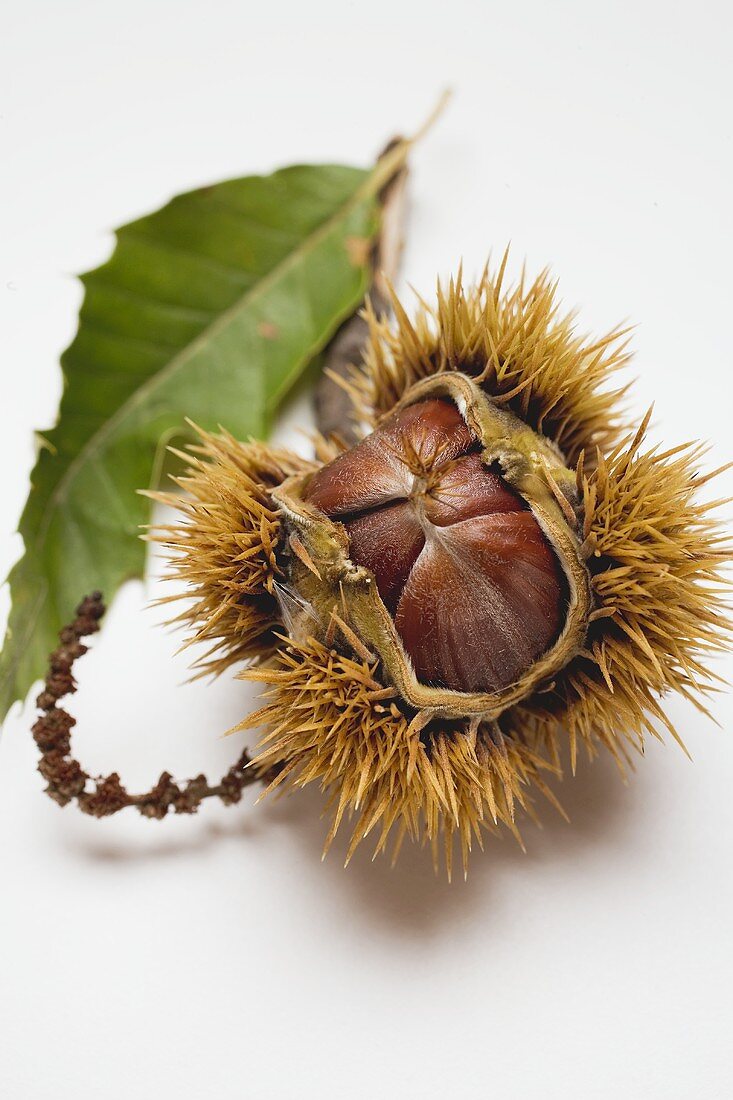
[475, 590]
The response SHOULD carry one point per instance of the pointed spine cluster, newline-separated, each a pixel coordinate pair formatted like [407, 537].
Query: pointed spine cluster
[224, 549]
[657, 557]
[329, 719]
[517, 343]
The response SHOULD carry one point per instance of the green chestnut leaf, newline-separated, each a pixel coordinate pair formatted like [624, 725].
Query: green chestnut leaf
[208, 309]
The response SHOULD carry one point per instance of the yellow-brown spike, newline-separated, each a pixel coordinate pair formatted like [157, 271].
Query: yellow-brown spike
[224, 549]
[517, 343]
[656, 561]
[329, 719]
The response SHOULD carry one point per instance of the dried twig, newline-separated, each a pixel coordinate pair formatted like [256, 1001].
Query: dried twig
[105, 795]
[333, 406]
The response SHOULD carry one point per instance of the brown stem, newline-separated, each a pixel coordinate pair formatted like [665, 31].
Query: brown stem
[333, 408]
[105, 795]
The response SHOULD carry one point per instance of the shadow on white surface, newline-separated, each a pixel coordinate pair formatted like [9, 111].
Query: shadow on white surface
[409, 899]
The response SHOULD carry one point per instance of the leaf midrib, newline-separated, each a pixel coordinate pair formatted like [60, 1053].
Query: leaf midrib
[381, 173]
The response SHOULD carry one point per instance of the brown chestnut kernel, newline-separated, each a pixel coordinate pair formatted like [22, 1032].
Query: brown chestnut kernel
[476, 592]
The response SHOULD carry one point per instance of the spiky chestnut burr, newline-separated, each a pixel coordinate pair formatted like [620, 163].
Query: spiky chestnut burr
[496, 571]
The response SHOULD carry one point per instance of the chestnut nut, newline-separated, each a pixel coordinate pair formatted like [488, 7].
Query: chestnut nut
[476, 592]
[442, 532]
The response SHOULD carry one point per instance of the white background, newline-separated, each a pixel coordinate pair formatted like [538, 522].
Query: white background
[218, 956]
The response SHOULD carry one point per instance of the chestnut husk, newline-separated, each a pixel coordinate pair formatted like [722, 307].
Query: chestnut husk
[276, 581]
